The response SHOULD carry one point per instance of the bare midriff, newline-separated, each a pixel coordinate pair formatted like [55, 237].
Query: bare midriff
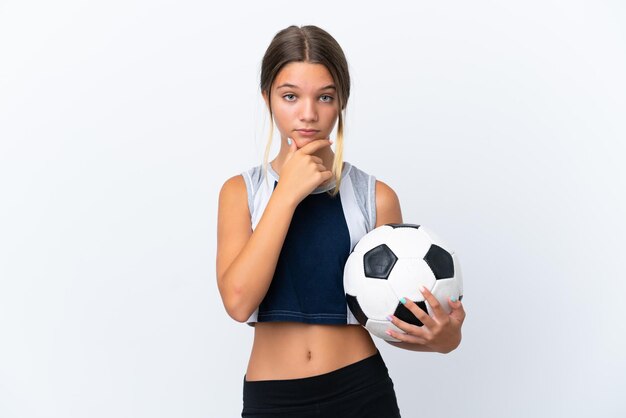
[292, 350]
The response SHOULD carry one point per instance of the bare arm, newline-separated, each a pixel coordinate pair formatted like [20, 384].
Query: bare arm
[246, 259]
[387, 205]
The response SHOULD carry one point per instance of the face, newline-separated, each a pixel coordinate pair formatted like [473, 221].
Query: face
[304, 97]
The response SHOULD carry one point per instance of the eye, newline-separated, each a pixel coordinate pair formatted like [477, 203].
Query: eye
[289, 97]
[328, 98]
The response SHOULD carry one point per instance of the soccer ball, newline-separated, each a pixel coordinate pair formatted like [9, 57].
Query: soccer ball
[394, 261]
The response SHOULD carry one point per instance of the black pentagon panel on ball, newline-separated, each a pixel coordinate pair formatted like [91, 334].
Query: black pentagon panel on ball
[406, 315]
[394, 226]
[440, 262]
[378, 262]
[354, 306]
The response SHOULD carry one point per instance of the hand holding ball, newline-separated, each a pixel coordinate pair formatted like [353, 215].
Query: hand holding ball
[395, 261]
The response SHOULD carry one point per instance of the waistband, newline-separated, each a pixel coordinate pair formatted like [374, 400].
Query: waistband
[308, 390]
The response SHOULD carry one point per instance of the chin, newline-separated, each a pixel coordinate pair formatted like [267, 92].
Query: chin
[306, 139]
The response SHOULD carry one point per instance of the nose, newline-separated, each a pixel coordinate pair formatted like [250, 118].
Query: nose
[308, 112]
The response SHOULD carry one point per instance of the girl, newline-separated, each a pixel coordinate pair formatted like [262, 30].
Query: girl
[285, 231]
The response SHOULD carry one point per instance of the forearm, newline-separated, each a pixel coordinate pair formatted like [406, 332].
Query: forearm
[249, 276]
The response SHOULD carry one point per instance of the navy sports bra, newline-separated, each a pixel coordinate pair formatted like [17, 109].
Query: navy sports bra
[308, 280]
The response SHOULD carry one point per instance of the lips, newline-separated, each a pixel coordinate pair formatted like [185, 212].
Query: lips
[307, 133]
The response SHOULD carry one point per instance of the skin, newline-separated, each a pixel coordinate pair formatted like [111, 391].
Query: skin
[309, 104]
[288, 350]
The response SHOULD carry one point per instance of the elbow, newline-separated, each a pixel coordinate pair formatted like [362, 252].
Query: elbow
[236, 309]
[238, 316]
[236, 300]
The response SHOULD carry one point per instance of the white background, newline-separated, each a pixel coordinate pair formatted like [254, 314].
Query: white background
[499, 124]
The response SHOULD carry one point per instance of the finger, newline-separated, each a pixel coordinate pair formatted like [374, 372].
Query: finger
[408, 338]
[292, 145]
[313, 146]
[318, 160]
[458, 311]
[438, 311]
[407, 327]
[419, 313]
[455, 303]
[292, 148]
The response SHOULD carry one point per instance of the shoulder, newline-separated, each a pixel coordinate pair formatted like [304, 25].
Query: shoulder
[386, 197]
[234, 188]
[387, 205]
[233, 206]
[248, 179]
[233, 184]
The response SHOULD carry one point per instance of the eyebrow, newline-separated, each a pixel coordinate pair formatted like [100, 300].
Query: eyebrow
[330, 86]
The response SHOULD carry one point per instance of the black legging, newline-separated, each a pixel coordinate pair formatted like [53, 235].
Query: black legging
[362, 389]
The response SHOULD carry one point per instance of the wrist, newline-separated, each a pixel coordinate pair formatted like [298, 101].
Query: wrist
[283, 199]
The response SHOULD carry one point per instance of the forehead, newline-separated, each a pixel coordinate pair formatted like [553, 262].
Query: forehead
[304, 75]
